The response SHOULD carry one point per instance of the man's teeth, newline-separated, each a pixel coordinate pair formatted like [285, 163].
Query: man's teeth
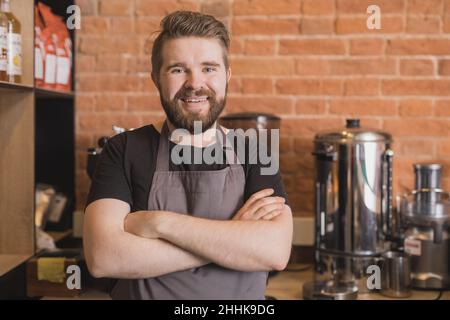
[190, 100]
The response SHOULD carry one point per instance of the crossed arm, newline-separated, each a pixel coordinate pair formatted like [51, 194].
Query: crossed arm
[145, 244]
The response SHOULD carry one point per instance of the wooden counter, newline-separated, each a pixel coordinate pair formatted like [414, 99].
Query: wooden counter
[288, 285]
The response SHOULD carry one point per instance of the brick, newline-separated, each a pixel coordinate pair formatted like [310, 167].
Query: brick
[444, 67]
[309, 87]
[416, 148]
[363, 107]
[88, 7]
[416, 67]
[306, 106]
[362, 67]
[87, 82]
[414, 127]
[257, 85]
[144, 25]
[110, 45]
[425, 7]
[111, 102]
[235, 85]
[360, 6]
[308, 67]
[121, 26]
[266, 7]
[317, 26]
[115, 8]
[446, 6]
[236, 46]
[265, 26]
[84, 63]
[318, 7]
[266, 104]
[285, 145]
[308, 127]
[303, 146]
[416, 108]
[108, 63]
[354, 25]
[423, 24]
[416, 87]
[260, 47]
[81, 160]
[264, 67]
[443, 148]
[118, 83]
[94, 25]
[216, 8]
[163, 7]
[313, 47]
[442, 108]
[144, 102]
[447, 24]
[361, 87]
[85, 103]
[367, 46]
[140, 64]
[418, 47]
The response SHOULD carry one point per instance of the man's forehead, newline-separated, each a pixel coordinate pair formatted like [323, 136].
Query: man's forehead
[188, 49]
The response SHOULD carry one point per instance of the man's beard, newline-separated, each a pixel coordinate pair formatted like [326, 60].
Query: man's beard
[174, 110]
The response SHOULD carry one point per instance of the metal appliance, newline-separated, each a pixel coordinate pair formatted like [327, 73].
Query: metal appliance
[353, 208]
[425, 216]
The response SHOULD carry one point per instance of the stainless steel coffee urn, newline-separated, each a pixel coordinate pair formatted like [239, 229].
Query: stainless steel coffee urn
[425, 216]
[353, 208]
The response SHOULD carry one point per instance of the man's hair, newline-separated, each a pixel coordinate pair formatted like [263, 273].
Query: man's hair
[180, 24]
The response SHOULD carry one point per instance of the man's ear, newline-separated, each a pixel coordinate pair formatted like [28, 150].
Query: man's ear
[228, 74]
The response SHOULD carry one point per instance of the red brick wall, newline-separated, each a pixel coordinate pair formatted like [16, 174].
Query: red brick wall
[312, 62]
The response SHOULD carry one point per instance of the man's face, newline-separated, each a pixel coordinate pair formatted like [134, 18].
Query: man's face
[193, 81]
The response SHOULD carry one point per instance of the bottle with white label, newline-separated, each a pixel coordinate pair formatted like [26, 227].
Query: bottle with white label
[13, 45]
[3, 57]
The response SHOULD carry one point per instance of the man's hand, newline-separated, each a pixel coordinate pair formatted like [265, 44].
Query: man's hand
[261, 206]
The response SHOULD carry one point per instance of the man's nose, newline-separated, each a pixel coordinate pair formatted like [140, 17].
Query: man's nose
[195, 80]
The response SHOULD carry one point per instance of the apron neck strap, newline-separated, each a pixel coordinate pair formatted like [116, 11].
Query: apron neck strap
[163, 156]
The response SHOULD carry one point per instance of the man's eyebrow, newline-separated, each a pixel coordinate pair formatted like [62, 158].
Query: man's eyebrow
[176, 64]
[211, 63]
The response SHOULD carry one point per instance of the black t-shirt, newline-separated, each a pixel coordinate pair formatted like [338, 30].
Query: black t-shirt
[128, 161]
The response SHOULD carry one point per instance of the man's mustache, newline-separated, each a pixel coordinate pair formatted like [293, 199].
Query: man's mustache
[194, 93]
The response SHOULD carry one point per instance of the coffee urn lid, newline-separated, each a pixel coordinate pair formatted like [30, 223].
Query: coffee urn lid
[353, 133]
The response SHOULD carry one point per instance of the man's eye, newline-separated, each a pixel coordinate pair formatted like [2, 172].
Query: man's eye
[177, 70]
[209, 69]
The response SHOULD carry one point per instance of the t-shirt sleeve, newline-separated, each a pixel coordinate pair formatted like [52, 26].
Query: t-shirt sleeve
[110, 179]
[262, 176]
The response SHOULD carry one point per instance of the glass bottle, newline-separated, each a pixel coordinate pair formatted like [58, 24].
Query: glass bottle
[13, 44]
[3, 33]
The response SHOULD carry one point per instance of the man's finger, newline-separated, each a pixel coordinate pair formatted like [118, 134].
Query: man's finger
[264, 202]
[267, 210]
[256, 196]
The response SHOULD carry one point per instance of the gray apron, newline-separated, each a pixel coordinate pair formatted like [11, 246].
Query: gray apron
[216, 195]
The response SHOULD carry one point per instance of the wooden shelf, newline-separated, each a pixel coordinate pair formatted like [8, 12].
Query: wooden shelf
[15, 86]
[50, 94]
[10, 261]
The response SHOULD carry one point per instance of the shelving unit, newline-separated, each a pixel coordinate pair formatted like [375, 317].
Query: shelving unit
[37, 145]
[17, 241]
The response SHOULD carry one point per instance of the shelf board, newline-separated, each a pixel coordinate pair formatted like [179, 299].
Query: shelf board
[10, 261]
[15, 86]
[48, 94]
